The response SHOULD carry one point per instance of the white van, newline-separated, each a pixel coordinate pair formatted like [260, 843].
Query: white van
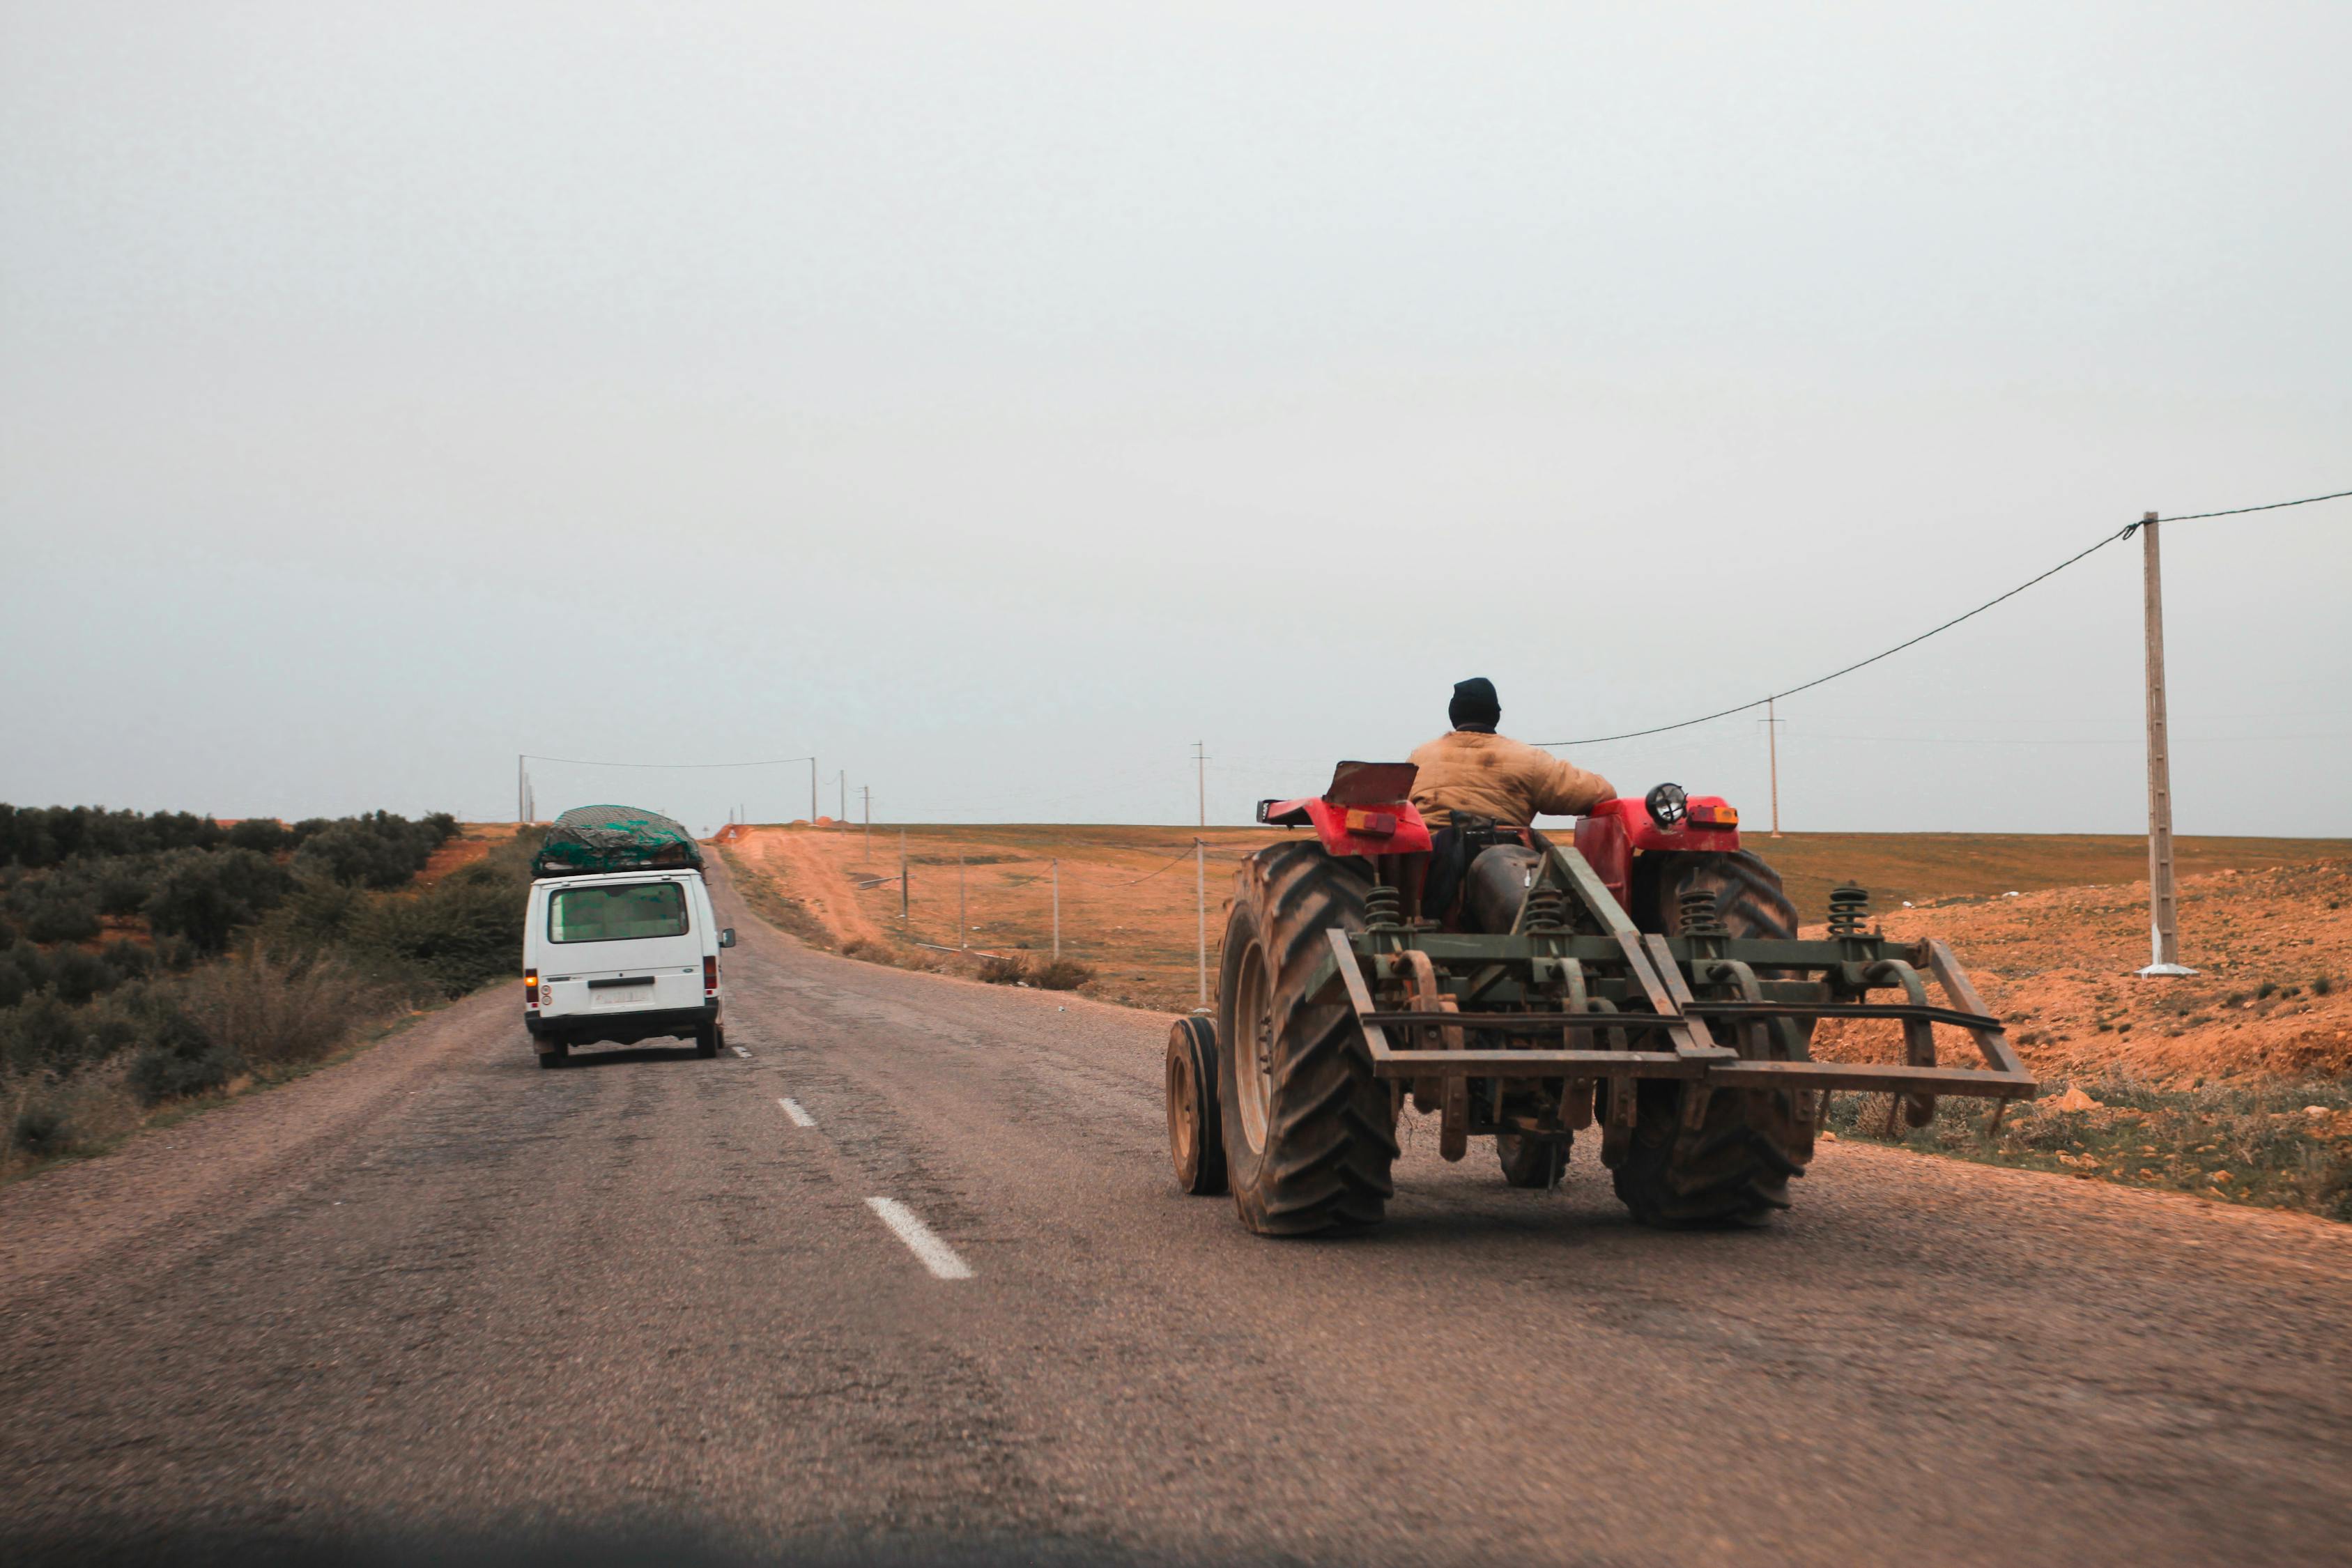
[622, 956]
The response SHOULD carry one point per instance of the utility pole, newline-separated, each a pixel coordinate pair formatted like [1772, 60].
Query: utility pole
[1201, 758]
[1773, 730]
[866, 855]
[519, 818]
[1201, 908]
[2164, 931]
[903, 926]
[811, 792]
[1057, 911]
[843, 817]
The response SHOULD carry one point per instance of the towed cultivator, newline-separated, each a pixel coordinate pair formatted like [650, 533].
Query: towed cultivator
[1646, 980]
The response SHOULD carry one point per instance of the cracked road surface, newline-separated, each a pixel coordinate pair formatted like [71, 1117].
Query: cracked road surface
[436, 1295]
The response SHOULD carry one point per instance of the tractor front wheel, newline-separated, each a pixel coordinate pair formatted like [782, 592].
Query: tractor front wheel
[1309, 1132]
[1196, 1137]
[1532, 1159]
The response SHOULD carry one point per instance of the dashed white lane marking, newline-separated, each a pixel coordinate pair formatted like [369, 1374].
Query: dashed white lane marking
[936, 1254]
[740, 1052]
[793, 1109]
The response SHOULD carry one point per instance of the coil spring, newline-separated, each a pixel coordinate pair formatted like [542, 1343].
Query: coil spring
[1383, 908]
[1699, 916]
[1546, 911]
[1849, 907]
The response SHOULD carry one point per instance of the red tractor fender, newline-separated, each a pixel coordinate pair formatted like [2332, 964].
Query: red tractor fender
[1365, 811]
[1613, 832]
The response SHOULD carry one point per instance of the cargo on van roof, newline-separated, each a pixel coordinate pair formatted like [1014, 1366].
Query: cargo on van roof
[589, 840]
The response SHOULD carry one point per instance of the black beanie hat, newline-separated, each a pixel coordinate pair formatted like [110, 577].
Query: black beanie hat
[1474, 705]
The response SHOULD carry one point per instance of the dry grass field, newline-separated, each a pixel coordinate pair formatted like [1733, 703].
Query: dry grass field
[2232, 1084]
[1128, 897]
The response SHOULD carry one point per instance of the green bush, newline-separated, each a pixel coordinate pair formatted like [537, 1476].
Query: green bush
[317, 915]
[461, 934]
[24, 969]
[41, 1034]
[126, 959]
[379, 851]
[205, 897]
[38, 1130]
[179, 1060]
[262, 834]
[57, 908]
[79, 976]
[123, 884]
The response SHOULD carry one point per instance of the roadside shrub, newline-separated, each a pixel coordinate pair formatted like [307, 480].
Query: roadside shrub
[1002, 970]
[257, 1011]
[262, 834]
[179, 1060]
[42, 1035]
[205, 897]
[1061, 975]
[463, 933]
[38, 1130]
[317, 914]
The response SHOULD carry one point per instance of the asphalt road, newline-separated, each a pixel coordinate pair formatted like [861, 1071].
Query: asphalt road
[436, 1295]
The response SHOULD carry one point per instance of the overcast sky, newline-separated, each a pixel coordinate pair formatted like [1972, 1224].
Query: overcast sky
[996, 400]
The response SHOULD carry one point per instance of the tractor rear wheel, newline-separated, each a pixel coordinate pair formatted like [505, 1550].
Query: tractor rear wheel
[1734, 1168]
[1196, 1137]
[1309, 1132]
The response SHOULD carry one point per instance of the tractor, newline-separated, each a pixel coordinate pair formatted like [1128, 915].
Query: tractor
[1645, 977]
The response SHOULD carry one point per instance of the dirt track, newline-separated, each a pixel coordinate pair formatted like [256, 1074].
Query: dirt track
[437, 1289]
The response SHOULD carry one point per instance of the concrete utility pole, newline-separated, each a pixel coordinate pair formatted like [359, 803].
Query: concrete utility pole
[866, 855]
[811, 792]
[1201, 908]
[2164, 929]
[843, 817]
[902, 881]
[1772, 729]
[1201, 758]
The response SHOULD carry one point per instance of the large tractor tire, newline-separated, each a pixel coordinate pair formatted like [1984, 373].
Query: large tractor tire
[1734, 1167]
[1309, 1132]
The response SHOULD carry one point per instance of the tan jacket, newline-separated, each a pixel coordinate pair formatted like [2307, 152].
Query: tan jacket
[1493, 775]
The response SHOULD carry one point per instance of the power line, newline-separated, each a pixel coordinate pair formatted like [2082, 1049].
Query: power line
[584, 762]
[2123, 534]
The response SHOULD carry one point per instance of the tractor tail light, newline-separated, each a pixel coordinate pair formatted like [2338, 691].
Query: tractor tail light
[1715, 816]
[710, 976]
[531, 987]
[1371, 824]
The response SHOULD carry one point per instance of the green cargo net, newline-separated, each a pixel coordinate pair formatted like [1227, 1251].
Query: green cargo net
[591, 838]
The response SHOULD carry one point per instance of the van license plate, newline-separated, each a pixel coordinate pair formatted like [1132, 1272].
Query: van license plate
[628, 996]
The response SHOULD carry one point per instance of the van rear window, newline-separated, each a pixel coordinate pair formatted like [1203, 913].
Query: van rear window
[633, 909]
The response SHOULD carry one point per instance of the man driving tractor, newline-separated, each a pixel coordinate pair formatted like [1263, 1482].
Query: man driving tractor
[1472, 785]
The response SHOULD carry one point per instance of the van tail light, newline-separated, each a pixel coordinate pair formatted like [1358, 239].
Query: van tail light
[531, 987]
[709, 976]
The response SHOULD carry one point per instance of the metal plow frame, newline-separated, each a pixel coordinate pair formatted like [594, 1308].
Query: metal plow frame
[1543, 980]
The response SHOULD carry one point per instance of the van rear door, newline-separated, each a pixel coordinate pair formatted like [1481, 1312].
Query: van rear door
[626, 942]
